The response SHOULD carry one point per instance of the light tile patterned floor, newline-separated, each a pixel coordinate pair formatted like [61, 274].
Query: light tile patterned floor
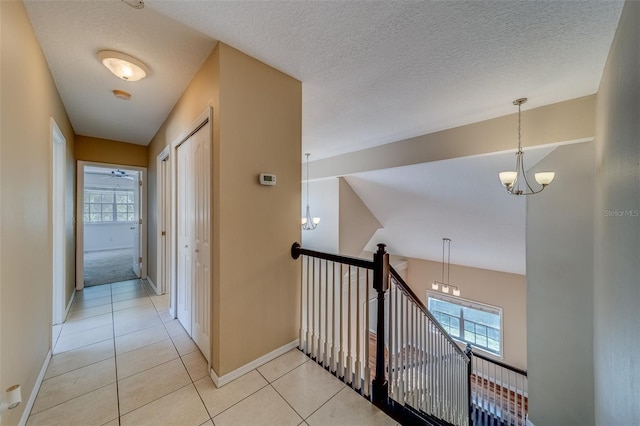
[120, 359]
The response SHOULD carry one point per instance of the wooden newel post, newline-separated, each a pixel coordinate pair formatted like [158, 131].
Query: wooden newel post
[380, 389]
[469, 354]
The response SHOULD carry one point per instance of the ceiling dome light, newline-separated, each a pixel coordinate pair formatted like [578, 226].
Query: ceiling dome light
[123, 66]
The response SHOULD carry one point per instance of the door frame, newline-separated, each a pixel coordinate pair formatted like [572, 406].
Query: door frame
[59, 213]
[163, 225]
[204, 118]
[80, 217]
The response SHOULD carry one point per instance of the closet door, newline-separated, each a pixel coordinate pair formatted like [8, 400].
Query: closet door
[201, 315]
[193, 299]
[184, 233]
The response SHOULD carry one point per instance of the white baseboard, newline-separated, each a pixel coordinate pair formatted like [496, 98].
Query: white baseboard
[229, 377]
[153, 286]
[36, 389]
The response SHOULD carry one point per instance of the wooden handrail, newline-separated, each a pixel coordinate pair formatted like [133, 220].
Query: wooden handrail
[501, 364]
[297, 250]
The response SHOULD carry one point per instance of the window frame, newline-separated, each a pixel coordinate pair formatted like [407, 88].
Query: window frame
[471, 304]
[115, 204]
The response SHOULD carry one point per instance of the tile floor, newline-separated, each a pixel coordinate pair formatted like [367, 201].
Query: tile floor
[120, 359]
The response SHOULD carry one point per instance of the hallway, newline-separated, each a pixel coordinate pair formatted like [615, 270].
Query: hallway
[120, 359]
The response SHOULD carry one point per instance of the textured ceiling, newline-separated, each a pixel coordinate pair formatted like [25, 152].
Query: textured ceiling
[378, 72]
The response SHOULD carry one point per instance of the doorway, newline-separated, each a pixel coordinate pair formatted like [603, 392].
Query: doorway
[111, 244]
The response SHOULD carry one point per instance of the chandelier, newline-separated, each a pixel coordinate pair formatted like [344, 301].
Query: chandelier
[516, 182]
[443, 285]
[309, 223]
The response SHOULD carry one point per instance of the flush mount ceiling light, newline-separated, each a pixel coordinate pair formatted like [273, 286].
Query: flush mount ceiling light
[513, 180]
[123, 66]
[136, 4]
[443, 285]
[309, 223]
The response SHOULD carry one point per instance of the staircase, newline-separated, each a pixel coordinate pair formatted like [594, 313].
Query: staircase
[363, 323]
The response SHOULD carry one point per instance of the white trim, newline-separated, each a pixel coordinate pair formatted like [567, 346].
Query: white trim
[34, 392]
[153, 286]
[229, 377]
[59, 217]
[530, 423]
[163, 215]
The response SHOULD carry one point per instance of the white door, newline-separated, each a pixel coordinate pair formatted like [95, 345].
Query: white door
[201, 317]
[137, 186]
[184, 232]
[193, 298]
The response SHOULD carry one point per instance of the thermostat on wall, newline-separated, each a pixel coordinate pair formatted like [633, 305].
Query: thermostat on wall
[267, 179]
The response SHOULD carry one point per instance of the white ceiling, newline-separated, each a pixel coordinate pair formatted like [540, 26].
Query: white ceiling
[371, 72]
[461, 199]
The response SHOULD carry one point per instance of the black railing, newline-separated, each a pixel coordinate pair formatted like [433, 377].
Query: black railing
[420, 373]
[498, 390]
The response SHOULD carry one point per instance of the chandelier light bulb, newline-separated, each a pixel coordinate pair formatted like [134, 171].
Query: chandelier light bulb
[456, 291]
[434, 285]
[544, 178]
[508, 178]
[445, 289]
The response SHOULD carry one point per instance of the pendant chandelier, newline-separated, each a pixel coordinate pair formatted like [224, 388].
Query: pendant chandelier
[309, 223]
[445, 286]
[516, 182]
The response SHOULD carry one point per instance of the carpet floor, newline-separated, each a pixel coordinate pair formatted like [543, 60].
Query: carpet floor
[108, 266]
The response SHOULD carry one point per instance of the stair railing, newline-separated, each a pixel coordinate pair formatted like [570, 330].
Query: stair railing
[498, 390]
[427, 369]
[419, 372]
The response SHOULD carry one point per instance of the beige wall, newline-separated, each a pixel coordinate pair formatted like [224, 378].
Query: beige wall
[562, 122]
[256, 128]
[201, 93]
[617, 249]
[357, 223]
[260, 131]
[29, 97]
[500, 289]
[111, 152]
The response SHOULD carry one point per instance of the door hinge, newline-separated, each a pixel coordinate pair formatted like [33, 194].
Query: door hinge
[139, 183]
[163, 233]
[139, 260]
[140, 221]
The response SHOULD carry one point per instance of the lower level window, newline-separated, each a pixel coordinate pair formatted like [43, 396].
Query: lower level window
[475, 323]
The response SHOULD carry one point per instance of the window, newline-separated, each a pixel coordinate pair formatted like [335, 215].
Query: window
[108, 205]
[471, 322]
